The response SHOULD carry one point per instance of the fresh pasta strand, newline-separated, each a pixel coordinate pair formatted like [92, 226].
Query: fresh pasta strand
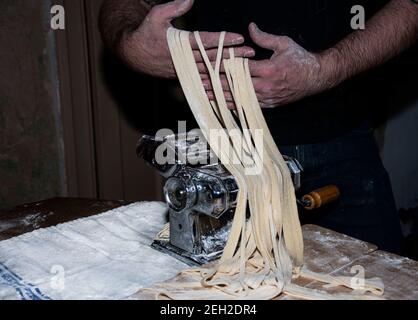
[265, 252]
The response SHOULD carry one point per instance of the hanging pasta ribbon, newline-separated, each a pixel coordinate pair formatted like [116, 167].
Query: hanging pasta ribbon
[264, 252]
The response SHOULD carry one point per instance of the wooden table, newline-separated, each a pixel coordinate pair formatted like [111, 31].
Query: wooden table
[325, 251]
[333, 253]
[48, 213]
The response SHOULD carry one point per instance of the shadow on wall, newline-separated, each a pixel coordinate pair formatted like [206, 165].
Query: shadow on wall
[409, 223]
[397, 109]
[395, 86]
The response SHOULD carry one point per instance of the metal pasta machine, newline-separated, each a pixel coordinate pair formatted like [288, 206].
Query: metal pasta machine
[202, 195]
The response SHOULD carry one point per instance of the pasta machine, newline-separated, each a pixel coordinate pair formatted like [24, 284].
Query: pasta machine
[201, 195]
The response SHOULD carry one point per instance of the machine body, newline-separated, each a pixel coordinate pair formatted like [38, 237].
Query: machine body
[201, 195]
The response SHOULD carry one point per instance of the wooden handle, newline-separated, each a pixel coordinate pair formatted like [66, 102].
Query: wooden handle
[321, 197]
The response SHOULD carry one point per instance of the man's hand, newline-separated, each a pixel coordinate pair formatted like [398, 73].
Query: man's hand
[291, 74]
[146, 49]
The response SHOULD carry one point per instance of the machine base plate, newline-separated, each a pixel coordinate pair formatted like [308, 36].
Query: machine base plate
[184, 256]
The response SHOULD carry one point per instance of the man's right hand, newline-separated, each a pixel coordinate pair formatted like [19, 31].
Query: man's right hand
[146, 49]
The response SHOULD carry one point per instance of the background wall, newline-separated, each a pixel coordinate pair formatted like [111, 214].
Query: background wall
[396, 97]
[400, 156]
[31, 153]
[105, 106]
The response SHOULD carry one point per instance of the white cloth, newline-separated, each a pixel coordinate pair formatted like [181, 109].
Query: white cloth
[107, 256]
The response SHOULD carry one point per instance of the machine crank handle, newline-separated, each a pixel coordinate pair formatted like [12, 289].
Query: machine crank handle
[320, 197]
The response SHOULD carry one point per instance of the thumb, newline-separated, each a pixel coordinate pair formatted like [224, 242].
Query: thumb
[267, 40]
[174, 9]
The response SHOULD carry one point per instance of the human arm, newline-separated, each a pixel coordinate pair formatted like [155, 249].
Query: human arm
[135, 30]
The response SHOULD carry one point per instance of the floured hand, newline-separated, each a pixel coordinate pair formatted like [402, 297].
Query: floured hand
[291, 74]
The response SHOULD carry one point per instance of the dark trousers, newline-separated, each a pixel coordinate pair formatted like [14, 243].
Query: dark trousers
[366, 209]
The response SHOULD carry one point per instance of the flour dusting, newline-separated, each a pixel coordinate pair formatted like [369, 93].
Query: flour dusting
[107, 256]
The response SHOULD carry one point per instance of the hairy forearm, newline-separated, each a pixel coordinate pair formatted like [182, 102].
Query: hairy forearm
[118, 17]
[392, 30]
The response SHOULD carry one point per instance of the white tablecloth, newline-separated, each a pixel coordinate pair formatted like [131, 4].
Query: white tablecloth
[107, 256]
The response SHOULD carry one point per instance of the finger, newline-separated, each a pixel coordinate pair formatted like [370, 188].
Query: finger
[259, 88]
[203, 69]
[259, 68]
[269, 104]
[211, 95]
[211, 39]
[265, 89]
[266, 40]
[201, 66]
[208, 84]
[265, 105]
[164, 13]
[231, 105]
[257, 83]
[245, 52]
[227, 94]
[264, 102]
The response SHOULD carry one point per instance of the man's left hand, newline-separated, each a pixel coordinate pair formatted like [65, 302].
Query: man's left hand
[291, 74]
